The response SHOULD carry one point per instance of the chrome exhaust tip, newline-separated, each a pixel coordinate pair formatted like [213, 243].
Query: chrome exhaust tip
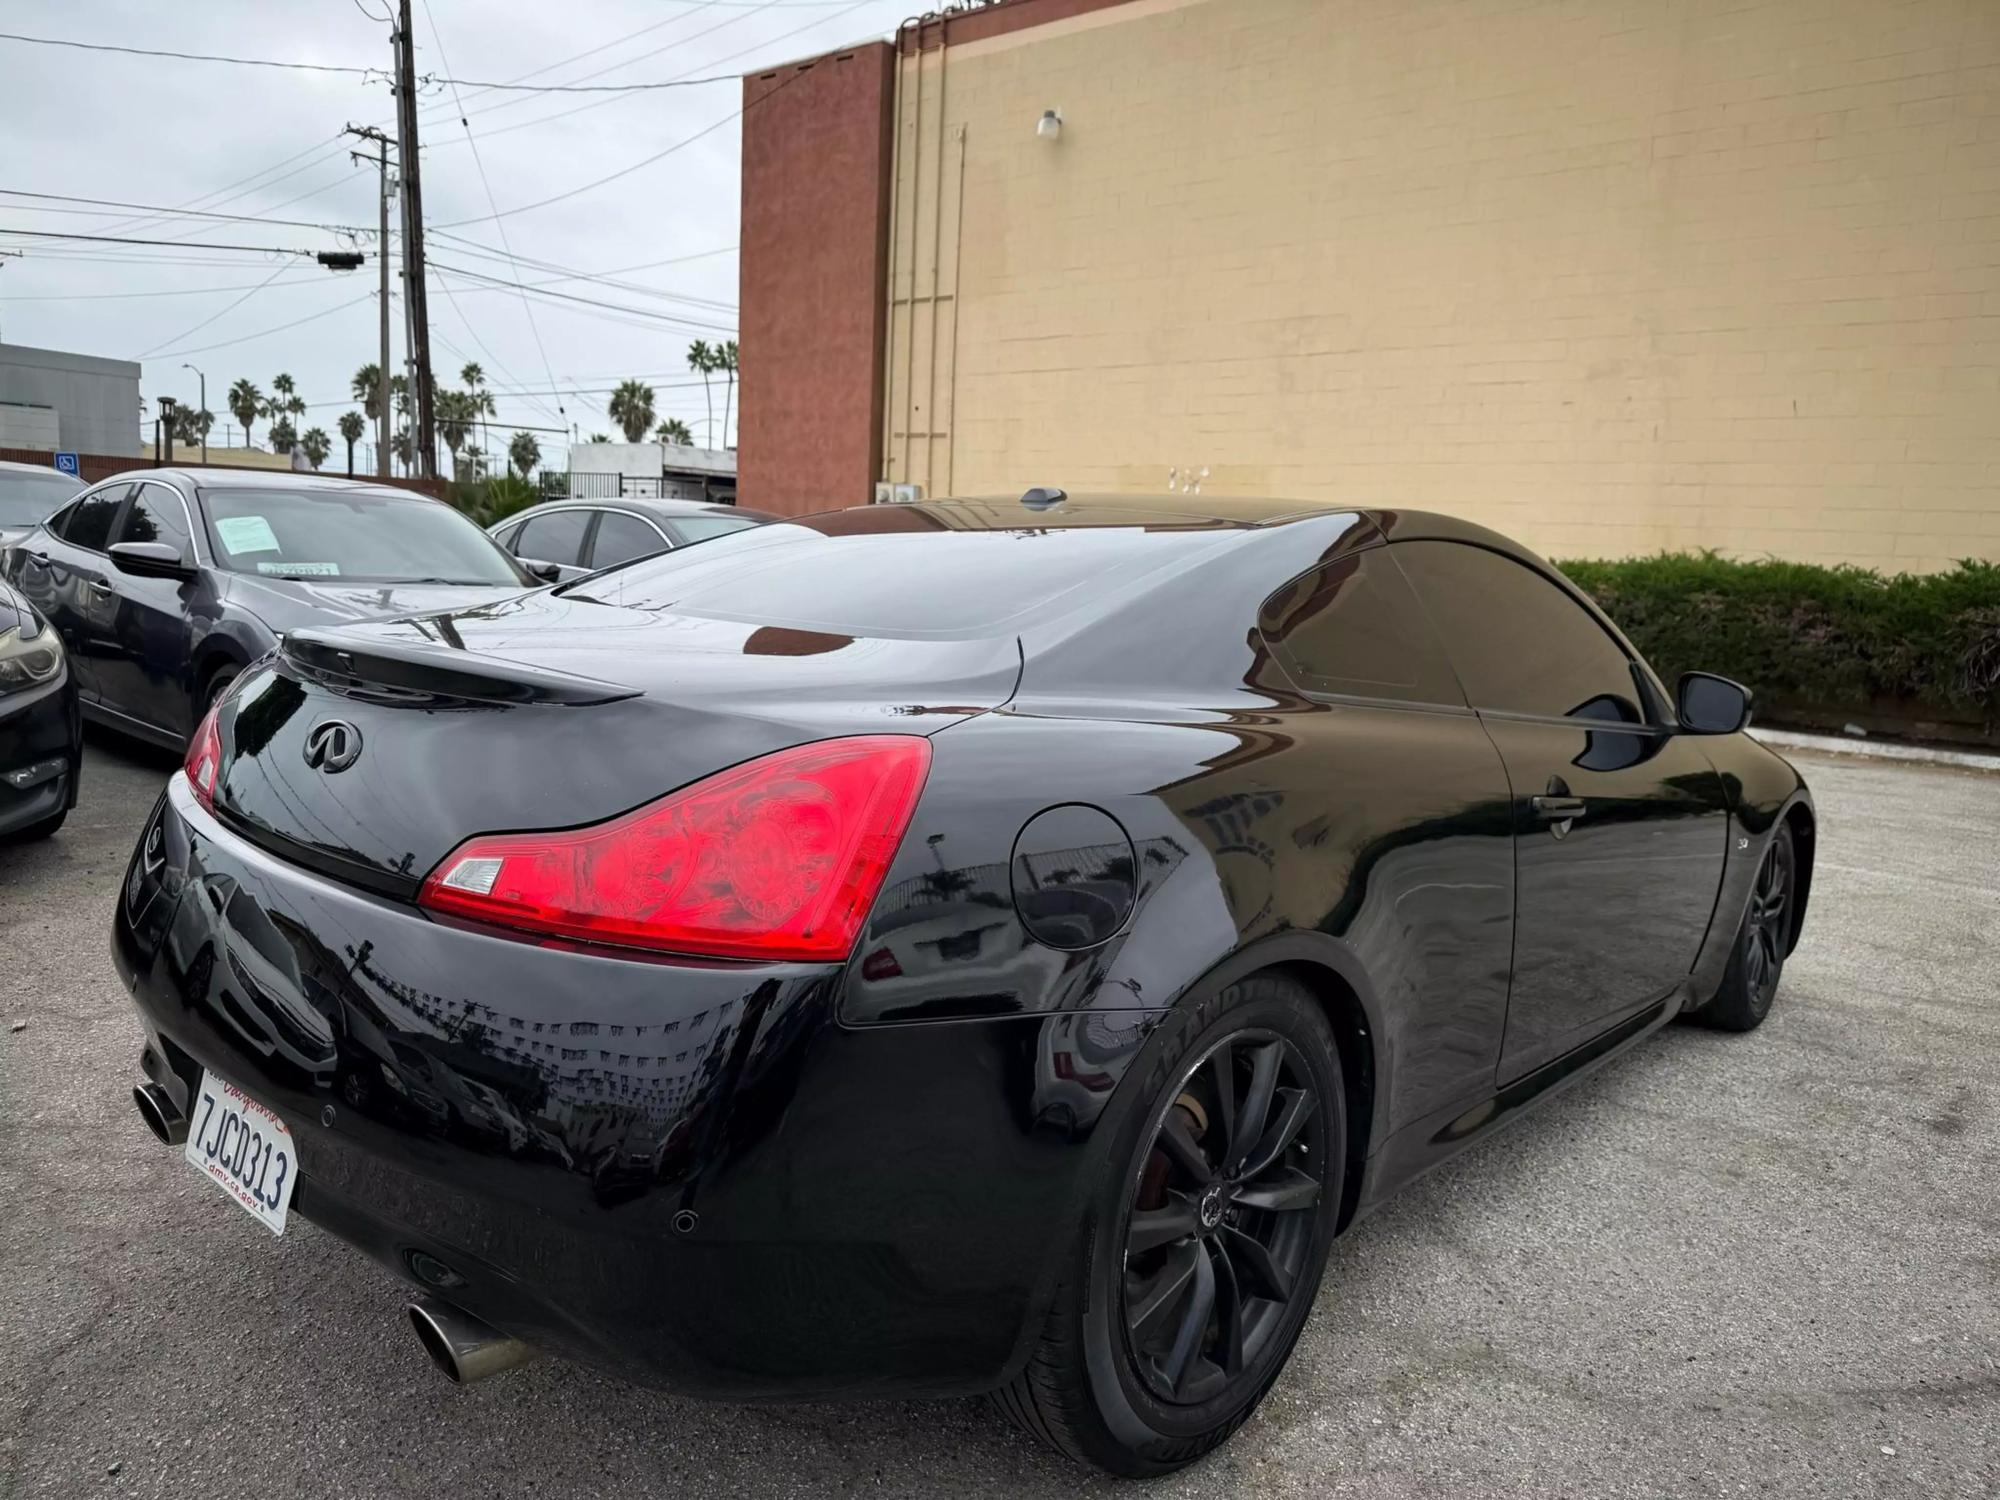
[161, 1114]
[462, 1346]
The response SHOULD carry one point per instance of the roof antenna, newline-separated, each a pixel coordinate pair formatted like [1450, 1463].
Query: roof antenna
[1042, 497]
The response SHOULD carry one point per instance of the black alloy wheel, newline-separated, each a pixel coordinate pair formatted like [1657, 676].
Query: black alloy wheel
[1219, 1227]
[1201, 1254]
[1750, 983]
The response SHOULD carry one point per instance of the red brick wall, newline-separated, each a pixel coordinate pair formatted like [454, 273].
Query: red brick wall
[814, 280]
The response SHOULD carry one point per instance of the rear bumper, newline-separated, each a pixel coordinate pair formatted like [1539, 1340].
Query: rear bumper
[685, 1173]
[40, 735]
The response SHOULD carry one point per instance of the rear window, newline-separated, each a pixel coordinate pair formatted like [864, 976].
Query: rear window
[26, 498]
[897, 573]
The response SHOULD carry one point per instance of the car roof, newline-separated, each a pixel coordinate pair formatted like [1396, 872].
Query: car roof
[19, 468]
[272, 479]
[659, 508]
[1160, 510]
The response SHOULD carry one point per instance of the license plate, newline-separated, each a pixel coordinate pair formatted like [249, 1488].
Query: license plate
[245, 1150]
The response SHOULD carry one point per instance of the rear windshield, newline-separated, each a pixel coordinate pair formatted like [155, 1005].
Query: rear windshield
[844, 576]
[365, 536]
[28, 498]
[701, 528]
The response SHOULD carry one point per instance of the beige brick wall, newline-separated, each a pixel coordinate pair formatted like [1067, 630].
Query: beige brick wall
[1610, 275]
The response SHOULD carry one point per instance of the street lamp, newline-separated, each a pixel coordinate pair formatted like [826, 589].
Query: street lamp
[201, 412]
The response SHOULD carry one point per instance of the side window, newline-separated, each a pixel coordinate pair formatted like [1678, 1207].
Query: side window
[1352, 626]
[506, 536]
[88, 524]
[156, 515]
[1520, 644]
[620, 538]
[556, 537]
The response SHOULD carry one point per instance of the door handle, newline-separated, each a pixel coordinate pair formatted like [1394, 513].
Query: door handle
[97, 585]
[1558, 808]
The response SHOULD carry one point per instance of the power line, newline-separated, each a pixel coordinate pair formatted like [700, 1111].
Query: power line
[282, 268]
[526, 310]
[526, 289]
[280, 328]
[208, 57]
[186, 291]
[151, 208]
[112, 239]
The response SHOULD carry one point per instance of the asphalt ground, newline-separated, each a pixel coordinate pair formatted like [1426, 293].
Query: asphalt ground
[1763, 1265]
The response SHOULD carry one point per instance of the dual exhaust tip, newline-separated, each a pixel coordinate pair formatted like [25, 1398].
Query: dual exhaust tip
[458, 1343]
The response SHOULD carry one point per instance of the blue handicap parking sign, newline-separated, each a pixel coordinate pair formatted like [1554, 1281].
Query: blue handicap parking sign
[69, 463]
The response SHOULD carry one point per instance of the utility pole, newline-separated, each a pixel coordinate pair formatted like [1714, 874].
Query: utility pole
[202, 410]
[381, 160]
[7, 255]
[413, 240]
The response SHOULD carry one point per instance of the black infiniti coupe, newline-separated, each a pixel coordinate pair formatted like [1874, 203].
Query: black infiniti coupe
[923, 949]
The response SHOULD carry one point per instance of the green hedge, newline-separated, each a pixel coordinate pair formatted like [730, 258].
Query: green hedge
[1819, 643]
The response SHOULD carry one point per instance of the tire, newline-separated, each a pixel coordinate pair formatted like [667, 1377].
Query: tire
[214, 686]
[37, 831]
[1757, 962]
[1133, 1372]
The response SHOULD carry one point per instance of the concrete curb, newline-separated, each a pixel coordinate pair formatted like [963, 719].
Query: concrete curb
[1834, 744]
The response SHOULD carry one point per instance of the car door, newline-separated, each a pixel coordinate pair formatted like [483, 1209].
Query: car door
[1620, 824]
[64, 570]
[558, 537]
[622, 536]
[142, 669]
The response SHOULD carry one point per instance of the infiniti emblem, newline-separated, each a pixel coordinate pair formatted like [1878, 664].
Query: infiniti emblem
[332, 745]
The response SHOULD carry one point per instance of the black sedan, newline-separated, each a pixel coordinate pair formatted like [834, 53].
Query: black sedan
[41, 754]
[575, 537]
[922, 949]
[166, 584]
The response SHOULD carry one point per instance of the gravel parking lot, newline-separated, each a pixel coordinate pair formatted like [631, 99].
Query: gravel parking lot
[1765, 1264]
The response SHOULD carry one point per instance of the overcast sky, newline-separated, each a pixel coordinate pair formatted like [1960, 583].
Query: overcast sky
[255, 141]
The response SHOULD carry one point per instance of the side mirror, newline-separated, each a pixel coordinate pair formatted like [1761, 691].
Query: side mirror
[546, 571]
[149, 560]
[1708, 704]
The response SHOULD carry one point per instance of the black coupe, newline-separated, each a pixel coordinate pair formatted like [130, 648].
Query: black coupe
[165, 584]
[921, 949]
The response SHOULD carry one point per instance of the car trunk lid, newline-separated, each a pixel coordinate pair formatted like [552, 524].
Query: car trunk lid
[544, 712]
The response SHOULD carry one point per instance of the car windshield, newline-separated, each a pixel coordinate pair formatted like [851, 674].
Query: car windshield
[28, 498]
[361, 535]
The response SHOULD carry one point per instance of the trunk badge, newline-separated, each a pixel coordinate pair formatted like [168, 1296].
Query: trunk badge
[332, 745]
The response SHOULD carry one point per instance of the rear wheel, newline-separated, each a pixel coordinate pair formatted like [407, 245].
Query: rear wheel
[1204, 1247]
[1750, 983]
[214, 686]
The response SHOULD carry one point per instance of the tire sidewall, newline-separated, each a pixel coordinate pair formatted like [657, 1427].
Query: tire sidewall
[1134, 1419]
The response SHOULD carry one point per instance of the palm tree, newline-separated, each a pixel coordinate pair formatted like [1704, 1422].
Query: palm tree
[367, 388]
[455, 412]
[246, 404]
[353, 426]
[598, 437]
[701, 358]
[674, 430]
[632, 409]
[284, 436]
[482, 399]
[190, 426]
[315, 446]
[400, 446]
[726, 358]
[523, 452]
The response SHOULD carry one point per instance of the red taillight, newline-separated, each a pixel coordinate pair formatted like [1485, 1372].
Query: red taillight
[204, 757]
[778, 858]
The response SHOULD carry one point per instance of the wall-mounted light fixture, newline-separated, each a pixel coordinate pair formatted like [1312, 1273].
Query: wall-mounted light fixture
[1049, 127]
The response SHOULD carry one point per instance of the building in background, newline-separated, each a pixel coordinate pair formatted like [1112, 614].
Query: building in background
[1609, 277]
[651, 471]
[73, 403]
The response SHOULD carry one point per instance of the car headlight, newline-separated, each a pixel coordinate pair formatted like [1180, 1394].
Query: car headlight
[28, 660]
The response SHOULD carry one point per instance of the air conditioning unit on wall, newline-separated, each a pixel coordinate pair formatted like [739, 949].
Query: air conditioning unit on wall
[897, 494]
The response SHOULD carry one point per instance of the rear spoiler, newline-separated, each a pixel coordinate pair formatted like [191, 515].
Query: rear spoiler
[375, 659]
